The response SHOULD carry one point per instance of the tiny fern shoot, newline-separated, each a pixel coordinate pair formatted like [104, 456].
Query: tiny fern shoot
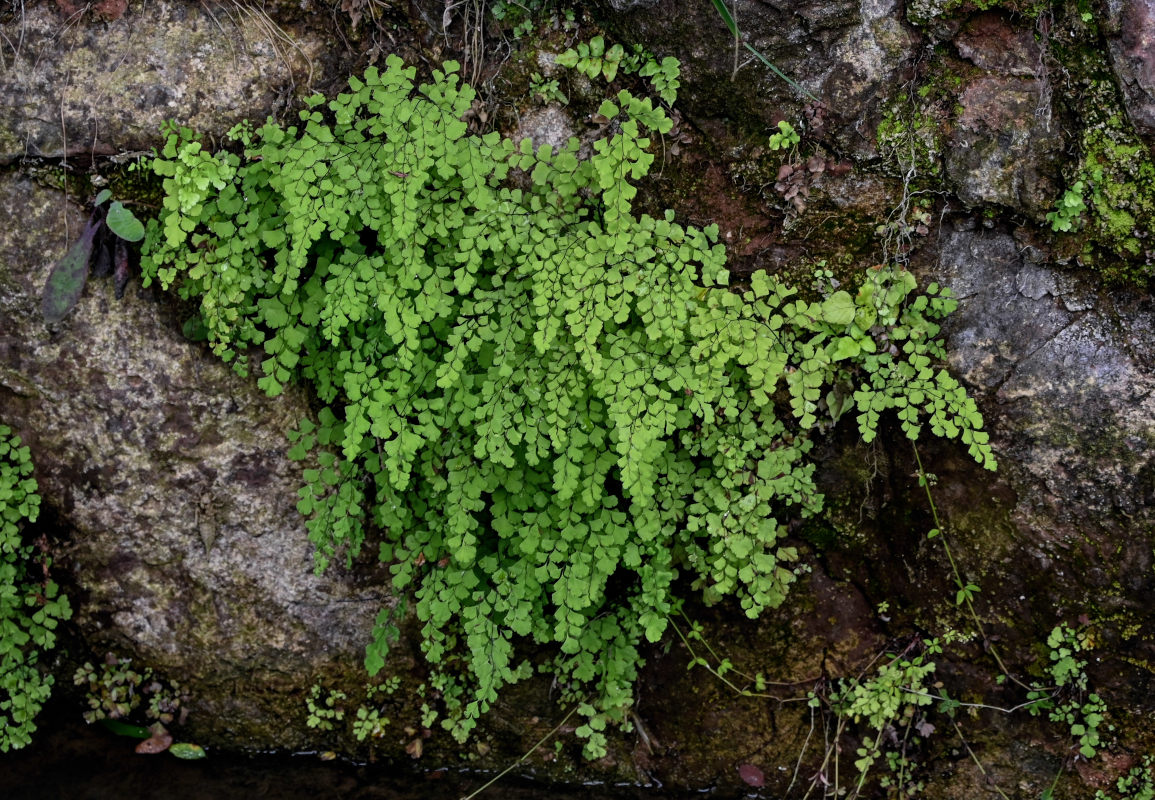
[527, 389]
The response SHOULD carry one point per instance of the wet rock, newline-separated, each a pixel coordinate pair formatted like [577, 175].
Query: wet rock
[83, 86]
[170, 473]
[864, 62]
[1003, 148]
[1131, 25]
[990, 42]
[935, 16]
[1069, 374]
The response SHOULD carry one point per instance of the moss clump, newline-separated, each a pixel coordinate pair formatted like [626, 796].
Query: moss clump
[1116, 176]
[925, 12]
[1121, 178]
[910, 138]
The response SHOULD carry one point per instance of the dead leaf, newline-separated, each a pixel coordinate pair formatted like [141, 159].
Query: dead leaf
[752, 775]
[415, 748]
[160, 741]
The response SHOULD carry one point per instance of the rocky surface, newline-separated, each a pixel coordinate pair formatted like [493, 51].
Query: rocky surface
[1002, 149]
[1131, 24]
[991, 43]
[85, 86]
[1068, 377]
[845, 53]
[169, 472]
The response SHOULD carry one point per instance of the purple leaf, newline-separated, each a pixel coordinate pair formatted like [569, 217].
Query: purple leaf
[102, 259]
[120, 276]
[66, 283]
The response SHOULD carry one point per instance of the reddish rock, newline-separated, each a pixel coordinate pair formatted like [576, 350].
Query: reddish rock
[1133, 56]
[990, 42]
[1003, 148]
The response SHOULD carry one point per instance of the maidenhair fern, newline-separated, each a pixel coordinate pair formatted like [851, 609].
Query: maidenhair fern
[31, 605]
[527, 390]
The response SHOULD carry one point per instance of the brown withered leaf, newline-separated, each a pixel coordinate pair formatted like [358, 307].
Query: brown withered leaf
[354, 8]
[752, 775]
[160, 741]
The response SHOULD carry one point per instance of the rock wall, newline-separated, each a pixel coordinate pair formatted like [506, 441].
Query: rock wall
[168, 473]
[944, 136]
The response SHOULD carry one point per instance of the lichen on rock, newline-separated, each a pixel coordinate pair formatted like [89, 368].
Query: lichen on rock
[83, 89]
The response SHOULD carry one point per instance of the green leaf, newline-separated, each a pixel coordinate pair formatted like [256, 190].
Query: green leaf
[187, 751]
[845, 347]
[838, 309]
[124, 729]
[124, 223]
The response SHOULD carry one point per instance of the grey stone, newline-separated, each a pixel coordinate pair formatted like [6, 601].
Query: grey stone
[1072, 387]
[935, 16]
[80, 88]
[170, 471]
[549, 125]
[1132, 49]
[846, 53]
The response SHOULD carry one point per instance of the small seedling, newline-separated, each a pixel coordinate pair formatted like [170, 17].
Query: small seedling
[547, 90]
[1070, 207]
[786, 138]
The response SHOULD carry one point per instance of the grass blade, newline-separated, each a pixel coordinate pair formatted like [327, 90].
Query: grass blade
[728, 18]
[795, 85]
